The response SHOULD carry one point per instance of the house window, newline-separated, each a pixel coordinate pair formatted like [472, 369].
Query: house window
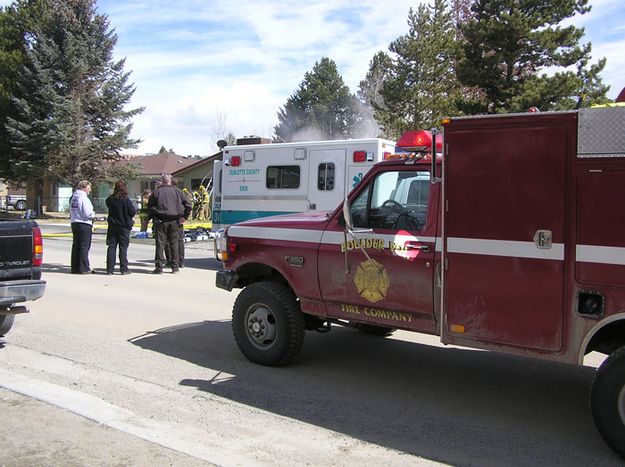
[195, 184]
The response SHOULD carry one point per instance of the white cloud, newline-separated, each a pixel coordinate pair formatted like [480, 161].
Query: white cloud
[241, 59]
[194, 59]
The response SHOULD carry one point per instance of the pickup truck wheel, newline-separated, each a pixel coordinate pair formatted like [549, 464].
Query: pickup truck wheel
[267, 324]
[607, 401]
[20, 205]
[373, 330]
[6, 323]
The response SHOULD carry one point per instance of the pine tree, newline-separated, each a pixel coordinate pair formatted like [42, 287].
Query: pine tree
[422, 86]
[321, 108]
[14, 22]
[70, 95]
[508, 43]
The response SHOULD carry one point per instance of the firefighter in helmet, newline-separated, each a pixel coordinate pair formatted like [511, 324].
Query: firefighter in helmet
[189, 197]
[205, 204]
[197, 201]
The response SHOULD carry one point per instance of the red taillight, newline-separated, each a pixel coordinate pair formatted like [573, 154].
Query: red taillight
[235, 161]
[360, 156]
[420, 140]
[37, 247]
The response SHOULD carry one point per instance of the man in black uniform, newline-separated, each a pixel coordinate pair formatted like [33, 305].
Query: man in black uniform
[170, 207]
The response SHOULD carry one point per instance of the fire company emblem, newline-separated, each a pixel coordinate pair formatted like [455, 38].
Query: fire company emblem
[371, 280]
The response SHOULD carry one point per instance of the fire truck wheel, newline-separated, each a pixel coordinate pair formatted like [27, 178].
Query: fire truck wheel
[6, 323]
[373, 330]
[267, 324]
[607, 401]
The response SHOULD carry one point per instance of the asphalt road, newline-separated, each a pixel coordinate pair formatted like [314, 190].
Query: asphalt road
[143, 370]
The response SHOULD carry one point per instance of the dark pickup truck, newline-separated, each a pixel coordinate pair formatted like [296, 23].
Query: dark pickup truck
[21, 257]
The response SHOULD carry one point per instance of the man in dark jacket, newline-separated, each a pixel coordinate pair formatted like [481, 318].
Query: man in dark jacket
[169, 206]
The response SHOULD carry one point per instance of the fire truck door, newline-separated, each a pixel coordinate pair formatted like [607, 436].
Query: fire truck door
[505, 192]
[327, 172]
[391, 261]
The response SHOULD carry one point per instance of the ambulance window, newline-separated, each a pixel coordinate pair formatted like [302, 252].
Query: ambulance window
[283, 176]
[325, 178]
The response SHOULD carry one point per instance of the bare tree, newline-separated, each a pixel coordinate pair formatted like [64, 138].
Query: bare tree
[219, 129]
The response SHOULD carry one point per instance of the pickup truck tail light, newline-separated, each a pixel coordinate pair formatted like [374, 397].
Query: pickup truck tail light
[37, 247]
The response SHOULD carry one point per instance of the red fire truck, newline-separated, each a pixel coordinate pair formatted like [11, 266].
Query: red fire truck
[513, 241]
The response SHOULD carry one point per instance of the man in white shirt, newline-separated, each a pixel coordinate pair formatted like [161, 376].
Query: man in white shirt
[81, 217]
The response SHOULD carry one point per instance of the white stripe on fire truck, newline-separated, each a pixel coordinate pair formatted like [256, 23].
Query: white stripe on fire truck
[600, 254]
[584, 253]
[273, 233]
[514, 249]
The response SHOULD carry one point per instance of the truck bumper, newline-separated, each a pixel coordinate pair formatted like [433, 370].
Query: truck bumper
[12, 292]
[226, 280]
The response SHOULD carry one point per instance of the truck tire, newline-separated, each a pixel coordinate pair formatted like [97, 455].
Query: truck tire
[607, 401]
[6, 323]
[20, 205]
[374, 330]
[267, 323]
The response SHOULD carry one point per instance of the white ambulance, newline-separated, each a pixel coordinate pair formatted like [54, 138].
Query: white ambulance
[262, 180]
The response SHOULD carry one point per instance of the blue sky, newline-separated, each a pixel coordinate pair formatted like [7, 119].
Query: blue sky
[204, 65]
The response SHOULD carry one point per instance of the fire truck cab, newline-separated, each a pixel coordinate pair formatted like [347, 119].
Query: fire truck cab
[513, 241]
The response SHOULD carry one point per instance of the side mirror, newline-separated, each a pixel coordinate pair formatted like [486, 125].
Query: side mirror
[347, 215]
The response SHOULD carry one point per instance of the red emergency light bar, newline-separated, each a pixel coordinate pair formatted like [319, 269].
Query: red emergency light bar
[419, 140]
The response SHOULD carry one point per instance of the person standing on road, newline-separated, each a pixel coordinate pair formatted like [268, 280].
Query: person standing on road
[186, 194]
[204, 208]
[197, 203]
[189, 197]
[121, 211]
[81, 218]
[170, 207]
[143, 212]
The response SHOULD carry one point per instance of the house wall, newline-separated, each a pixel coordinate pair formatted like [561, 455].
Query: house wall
[192, 177]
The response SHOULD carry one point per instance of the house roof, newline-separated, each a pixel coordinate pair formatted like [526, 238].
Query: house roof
[163, 163]
[196, 164]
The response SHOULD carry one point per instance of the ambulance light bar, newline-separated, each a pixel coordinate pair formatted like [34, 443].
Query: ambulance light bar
[419, 140]
[360, 156]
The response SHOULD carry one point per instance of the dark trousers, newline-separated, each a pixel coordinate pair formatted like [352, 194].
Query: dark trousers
[117, 236]
[180, 247]
[81, 234]
[167, 234]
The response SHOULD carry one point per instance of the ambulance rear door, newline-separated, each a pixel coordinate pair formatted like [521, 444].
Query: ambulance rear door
[216, 208]
[326, 173]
